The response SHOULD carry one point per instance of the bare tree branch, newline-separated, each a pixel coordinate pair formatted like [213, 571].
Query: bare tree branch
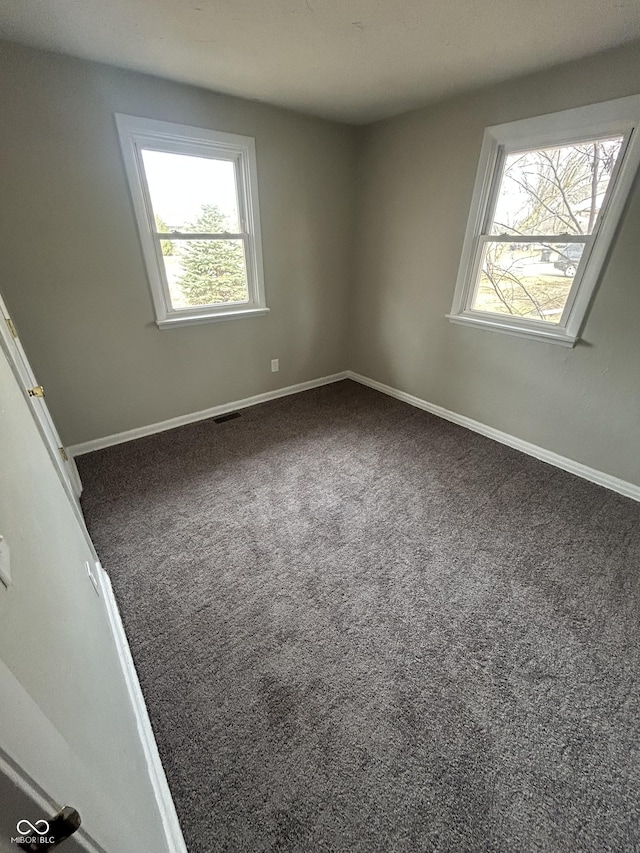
[594, 185]
[529, 189]
[561, 189]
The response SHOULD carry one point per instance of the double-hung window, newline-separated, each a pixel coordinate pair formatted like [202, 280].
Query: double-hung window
[548, 198]
[195, 199]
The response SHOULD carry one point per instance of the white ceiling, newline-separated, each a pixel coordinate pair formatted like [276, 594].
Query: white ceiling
[352, 60]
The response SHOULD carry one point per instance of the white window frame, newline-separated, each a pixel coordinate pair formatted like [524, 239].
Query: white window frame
[610, 118]
[137, 133]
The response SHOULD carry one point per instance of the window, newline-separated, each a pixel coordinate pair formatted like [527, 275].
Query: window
[548, 197]
[195, 198]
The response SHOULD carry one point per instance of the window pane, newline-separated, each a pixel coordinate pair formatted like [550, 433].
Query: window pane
[205, 272]
[192, 194]
[529, 280]
[556, 190]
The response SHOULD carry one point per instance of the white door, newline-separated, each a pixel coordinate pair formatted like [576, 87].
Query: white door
[26, 808]
[64, 463]
[73, 727]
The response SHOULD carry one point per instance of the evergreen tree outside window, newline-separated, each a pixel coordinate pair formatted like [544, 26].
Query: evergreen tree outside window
[194, 192]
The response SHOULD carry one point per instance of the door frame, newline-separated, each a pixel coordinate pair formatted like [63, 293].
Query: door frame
[12, 768]
[63, 461]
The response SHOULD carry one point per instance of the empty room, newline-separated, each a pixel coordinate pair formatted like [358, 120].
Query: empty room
[320, 426]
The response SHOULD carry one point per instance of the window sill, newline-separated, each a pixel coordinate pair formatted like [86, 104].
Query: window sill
[552, 336]
[195, 319]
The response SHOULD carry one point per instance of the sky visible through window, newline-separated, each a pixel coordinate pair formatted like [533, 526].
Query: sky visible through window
[181, 186]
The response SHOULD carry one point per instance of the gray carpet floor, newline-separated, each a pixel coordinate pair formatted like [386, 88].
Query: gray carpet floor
[362, 628]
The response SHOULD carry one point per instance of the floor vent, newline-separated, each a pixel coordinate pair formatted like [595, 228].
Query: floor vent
[228, 417]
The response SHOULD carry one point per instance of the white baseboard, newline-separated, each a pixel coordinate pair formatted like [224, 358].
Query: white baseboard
[173, 833]
[213, 412]
[622, 487]
[629, 490]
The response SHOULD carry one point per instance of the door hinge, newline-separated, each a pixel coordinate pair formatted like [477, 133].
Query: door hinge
[36, 391]
[63, 453]
[12, 328]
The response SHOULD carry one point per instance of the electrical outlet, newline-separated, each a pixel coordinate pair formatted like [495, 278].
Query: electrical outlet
[92, 576]
[5, 564]
[275, 365]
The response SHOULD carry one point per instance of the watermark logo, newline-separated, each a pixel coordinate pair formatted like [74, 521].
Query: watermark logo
[33, 834]
[24, 827]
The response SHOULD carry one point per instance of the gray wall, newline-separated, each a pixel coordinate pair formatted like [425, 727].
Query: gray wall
[72, 270]
[373, 300]
[415, 185]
